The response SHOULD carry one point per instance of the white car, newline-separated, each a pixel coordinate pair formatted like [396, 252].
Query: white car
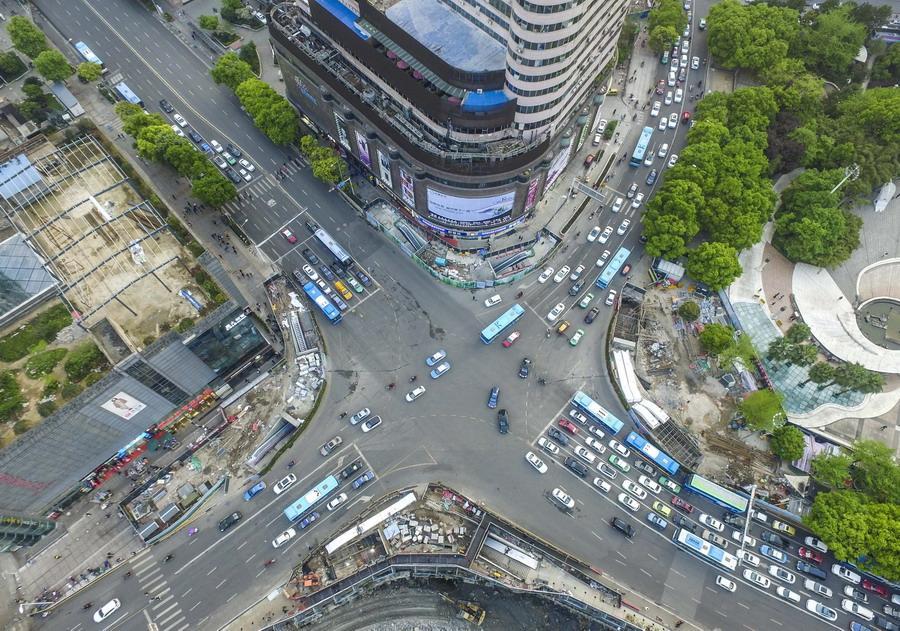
[629, 502]
[246, 165]
[493, 300]
[107, 610]
[536, 462]
[673, 159]
[561, 274]
[711, 522]
[284, 537]
[177, 131]
[284, 483]
[673, 120]
[607, 231]
[370, 424]
[818, 544]
[619, 448]
[415, 394]
[623, 227]
[433, 359]
[584, 454]
[761, 517]
[695, 63]
[787, 594]
[603, 485]
[821, 610]
[601, 126]
[673, 77]
[610, 298]
[594, 233]
[244, 174]
[652, 486]
[440, 370]
[755, 577]
[663, 124]
[683, 61]
[748, 557]
[726, 583]
[668, 99]
[617, 205]
[362, 415]
[685, 45]
[637, 201]
[656, 107]
[576, 273]
[555, 311]
[634, 489]
[216, 146]
[310, 273]
[595, 444]
[782, 574]
[849, 576]
[180, 120]
[340, 499]
[679, 95]
[560, 496]
[547, 446]
[578, 416]
[547, 273]
[856, 609]
[817, 588]
[603, 258]
[749, 541]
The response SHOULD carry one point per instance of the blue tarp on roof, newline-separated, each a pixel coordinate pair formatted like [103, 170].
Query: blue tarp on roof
[345, 15]
[492, 99]
[16, 176]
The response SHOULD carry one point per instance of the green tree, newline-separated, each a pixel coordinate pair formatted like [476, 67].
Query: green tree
[802, 354]
[714, 264]
[753, 36]
[234, 11]
[763, 410]
[874, 471]
[134, 119]
[208, 22]
[820, 372]
[88, 71]
[779, 350]
[270, 111]
[180, 153]
[249, 56]
[716, 338]
[831, 43]
[230, 70]
[886, 70]
[10, 65]
[662, 38]
[798, 333]
[689, 310]
[787, 442]
[667, 14]
[832, 471]
[11, 397]
[869, 15]
[154, 142]
[213, 188]
[53, 66]
[26, 37]
[854, 376]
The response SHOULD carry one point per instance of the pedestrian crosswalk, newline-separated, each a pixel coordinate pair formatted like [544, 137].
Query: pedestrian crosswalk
[164, 610]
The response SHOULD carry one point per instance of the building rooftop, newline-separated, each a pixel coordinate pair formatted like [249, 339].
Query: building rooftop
[448, 35]
[22, 274]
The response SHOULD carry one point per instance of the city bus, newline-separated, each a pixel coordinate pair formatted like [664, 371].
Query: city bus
[613, 267]
[126, 94]
[690, 542]
[88, 55]
[651, 453]
[331, 312]
[596, 412]
[492, 331]
[315, 495]
[640, 149]
[716, 493]
[332, 246]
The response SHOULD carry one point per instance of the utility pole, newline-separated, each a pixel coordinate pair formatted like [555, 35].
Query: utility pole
[850, 173]
[747, 523]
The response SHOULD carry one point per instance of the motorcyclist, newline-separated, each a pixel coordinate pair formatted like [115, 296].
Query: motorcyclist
[391, 386]
[88, 605]
[412, 379]
[291, 464]
[168, 558]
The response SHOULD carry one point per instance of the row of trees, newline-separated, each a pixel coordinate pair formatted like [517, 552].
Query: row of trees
[325, 162]
[270, 111]
[157, 141]
[665, 23]
[719, 188]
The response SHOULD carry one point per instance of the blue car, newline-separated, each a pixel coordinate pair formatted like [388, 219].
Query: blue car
[433, 359]
[363, 479]
[495, 395]
[440, 370]
[254, 490]
[773, 553]
[205, 148]
[308, 520]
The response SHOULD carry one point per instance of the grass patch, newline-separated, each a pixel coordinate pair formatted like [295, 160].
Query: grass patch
[43, 363]
[11, 399]
[83, 361]
[42, 328]
[225, 38]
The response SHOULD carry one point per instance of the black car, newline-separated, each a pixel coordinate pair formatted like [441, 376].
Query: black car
[577, 467]
[503, 421]
[310, 256]
[312, 226]
[195, 136]
[645, 467]
[165, 106]
[230, 521]
[351, 469]
[326, 272]
[812, 570]
[234, 151]
[623, 526]
[232, 175]
[651, 178]
[524, 368]
[683, 522]
[365, 280]
[558, 436]
[775, 540]
[574, 289]
[591, 315]
[883, 623]
[734, 520]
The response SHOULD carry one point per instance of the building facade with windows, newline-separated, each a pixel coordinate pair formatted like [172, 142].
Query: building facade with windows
[466, 111]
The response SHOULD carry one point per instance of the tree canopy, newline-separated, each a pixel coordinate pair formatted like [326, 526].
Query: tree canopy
[231, 70]
[714, 264]
[763, 410]
[88, 71]
[270, 111]
[26, 37]
[666, 20]
[53, 66]
[787, 442]
[716, 338]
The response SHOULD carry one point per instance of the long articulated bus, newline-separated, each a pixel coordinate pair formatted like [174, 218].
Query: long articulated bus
[651, 453]
[492, 331]
[88, 55]
[331, 312]
[315, 495]
[332, 246]
[690, 542]
[596, 412]
[716, 493]
[640, 149]
[126, 94]
[613, 267]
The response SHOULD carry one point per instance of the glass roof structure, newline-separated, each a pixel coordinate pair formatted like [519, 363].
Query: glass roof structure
[22, 275]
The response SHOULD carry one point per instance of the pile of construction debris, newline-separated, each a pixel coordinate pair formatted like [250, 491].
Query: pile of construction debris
[310, 376]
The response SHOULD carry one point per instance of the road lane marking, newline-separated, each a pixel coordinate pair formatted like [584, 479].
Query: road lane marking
[190, 589]
[212, 570]
[646, 572]
[224, 580]
[652, 557]
[195, 606]
[744, 606]
[622, 563]
[780, 624]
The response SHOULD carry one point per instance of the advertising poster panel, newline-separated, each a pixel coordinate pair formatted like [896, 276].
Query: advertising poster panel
[362, 146]
[531, 198]
[556, 167]
[469, 210]
[342, 131]
[407, 189]
[385, 169]
[123, 405]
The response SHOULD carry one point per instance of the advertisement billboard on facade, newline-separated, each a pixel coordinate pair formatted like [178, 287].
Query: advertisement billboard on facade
[469, 210]
[342, 131]
[362, 146]
[123, 405]
[407, 189]
[556, 167]
[531, 198]
[384, 168]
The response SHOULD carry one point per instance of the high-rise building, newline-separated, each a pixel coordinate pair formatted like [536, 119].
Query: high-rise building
[465, 110]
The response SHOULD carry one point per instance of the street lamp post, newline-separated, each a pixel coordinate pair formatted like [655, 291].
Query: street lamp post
[747, 522]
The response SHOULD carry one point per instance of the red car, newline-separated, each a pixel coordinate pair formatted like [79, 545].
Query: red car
[287, 234]
[511, 339]
[810, 555]
[568, 426]
[680, 503]
[685, 118]
[881, 590]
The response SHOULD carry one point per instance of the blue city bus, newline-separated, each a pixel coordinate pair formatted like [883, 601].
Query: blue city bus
[690, 542]
[596, 412]
[330, 311]
[613, 267]
[126, 94]
[88, 55]
[315, 495]
[725, 498]
[492, 331]
[651, 453]
[637, 158]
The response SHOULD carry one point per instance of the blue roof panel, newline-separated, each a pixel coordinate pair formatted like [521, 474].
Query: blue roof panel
[16, 176]
[489, 100]
[345, 15]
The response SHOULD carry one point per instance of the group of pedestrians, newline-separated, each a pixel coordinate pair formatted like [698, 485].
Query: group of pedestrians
[224, 242]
